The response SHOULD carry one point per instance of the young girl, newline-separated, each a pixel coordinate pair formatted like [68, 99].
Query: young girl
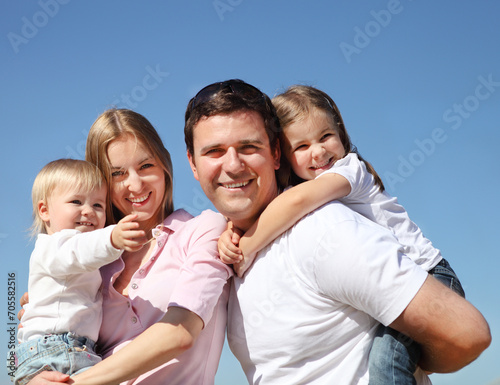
[62, 320]
[325, 166]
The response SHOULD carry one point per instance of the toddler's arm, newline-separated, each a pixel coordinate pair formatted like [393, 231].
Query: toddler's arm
[285, 210]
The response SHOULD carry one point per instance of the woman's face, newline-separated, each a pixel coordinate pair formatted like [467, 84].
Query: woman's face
[137, 179]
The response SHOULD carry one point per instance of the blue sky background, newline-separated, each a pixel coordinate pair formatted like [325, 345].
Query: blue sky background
[418, 84]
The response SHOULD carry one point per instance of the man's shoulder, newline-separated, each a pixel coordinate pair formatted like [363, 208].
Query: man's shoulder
[334, 212]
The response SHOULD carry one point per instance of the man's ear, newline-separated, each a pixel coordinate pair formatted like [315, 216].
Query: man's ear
[43, 210]
[277, 155]
[193, 166]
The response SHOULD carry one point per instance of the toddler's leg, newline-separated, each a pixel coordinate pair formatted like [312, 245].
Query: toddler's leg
[393, 358]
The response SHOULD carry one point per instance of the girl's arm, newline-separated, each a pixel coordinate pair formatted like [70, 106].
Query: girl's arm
[285, 210]
[158, 344]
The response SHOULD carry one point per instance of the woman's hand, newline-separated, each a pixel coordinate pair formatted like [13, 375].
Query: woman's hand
[23, 301]
[50, 378]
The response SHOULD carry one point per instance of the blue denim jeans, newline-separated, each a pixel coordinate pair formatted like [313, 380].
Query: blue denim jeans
[394, 356]
[65, 353]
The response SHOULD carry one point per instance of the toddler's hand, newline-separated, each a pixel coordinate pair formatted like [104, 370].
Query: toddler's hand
[126, 236]
[229, 251]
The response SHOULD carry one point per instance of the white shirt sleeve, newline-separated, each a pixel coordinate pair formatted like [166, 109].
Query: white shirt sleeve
[361, 264]
[72, 252]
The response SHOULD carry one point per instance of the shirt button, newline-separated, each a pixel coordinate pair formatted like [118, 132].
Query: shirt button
[159, 244]
[153, 258]
[128, 304]
[134, 320]
[141, 271]
[134, 286]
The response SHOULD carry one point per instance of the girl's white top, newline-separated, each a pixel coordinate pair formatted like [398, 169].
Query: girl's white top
[366, 199]
[64, 283]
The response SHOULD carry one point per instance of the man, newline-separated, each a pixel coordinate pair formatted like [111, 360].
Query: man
[307, 311]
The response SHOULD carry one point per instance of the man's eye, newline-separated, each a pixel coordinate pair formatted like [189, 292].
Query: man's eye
[249, 149]
[213, 152]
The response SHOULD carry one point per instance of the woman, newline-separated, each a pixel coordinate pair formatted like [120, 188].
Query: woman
[170, 293]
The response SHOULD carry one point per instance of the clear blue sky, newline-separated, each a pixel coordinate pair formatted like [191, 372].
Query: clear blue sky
[418, 83]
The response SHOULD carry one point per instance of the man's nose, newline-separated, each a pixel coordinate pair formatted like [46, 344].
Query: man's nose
[232, 161]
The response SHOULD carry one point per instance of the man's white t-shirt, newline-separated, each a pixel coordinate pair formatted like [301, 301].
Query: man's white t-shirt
[307, 310]
[366, 199]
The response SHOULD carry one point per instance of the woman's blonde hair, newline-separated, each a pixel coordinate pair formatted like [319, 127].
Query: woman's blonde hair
[295, 104]
[82, 175]
[118, 123]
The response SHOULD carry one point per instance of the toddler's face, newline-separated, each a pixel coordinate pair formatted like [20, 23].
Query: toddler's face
[70, 208]
[313, 144]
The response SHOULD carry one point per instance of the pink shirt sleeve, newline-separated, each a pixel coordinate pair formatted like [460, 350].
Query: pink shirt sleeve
[201, 274]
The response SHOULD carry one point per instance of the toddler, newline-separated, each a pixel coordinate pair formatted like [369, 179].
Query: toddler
[62, 319]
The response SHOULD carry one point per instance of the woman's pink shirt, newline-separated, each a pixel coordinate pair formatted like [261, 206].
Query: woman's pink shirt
[183, 270]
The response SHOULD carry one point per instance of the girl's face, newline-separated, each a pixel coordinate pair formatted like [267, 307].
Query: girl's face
[312, 144]
[137, 179]
[70, 208]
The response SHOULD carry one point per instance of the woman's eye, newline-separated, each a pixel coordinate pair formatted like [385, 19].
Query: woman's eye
[116, 173]
[146, 165]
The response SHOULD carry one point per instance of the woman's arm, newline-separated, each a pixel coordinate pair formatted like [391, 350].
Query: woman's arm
[285, 210]
[158, 344]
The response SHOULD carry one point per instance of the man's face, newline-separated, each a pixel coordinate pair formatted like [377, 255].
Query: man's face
[235, 165]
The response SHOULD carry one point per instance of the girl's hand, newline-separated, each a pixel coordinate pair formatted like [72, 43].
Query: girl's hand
[229, 251]
[126, 236]
[241, 267]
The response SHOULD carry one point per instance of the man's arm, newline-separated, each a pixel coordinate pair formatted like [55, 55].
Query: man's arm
[451, 331]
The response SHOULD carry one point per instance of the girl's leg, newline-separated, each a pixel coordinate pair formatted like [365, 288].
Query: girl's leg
[445, 274]
[393, 358]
